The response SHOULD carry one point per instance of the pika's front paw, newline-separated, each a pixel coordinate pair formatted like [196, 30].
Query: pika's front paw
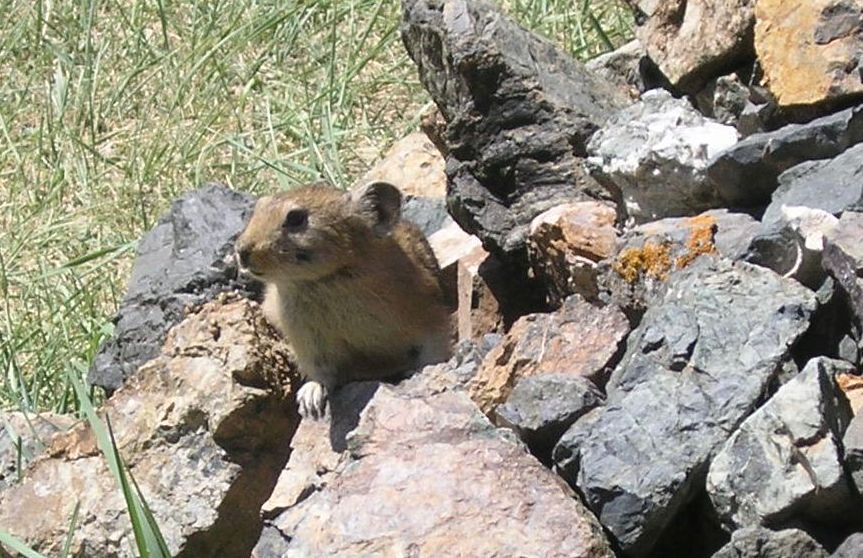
[312, 400]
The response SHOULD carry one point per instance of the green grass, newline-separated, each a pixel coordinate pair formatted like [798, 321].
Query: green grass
[110, 109]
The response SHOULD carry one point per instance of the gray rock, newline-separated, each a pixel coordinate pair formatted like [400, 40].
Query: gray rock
[429, 214]
[783, 465]
[843, 259]
[629, 69]
[519, 113]
[693, 370]
[852, 547]
[853, 442]
[541, 408]
[758, 542]
[833, 186]
[746, 174]
[23, 438]
[724, 99]
[655, 153]
[185, 260]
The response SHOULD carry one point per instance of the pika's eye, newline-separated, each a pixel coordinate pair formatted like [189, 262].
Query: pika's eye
[296, 219]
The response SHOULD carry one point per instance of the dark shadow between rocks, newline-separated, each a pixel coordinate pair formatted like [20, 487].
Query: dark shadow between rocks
[346, 405]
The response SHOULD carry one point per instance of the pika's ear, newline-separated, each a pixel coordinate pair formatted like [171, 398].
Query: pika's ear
[380, 203]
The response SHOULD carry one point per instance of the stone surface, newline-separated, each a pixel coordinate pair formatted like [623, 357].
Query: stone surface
[519, 113]
[810, 52]
[425, 474]
[429, 214]
[623, 68]
[851, 384]
[23, 438]
[655, 153]
[724, 99]
[843, 259]
[541, 408]
[695, 40]
[746, 174]
[853, 443]
[185, 260]
[202, 434]
[695, 367]
[758, 542]
[565, 245]
[783, 465]
[852, 547]
[579, 339]
[834, 186]
[414, 165]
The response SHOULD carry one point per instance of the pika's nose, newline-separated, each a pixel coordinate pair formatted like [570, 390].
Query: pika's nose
[244, 254]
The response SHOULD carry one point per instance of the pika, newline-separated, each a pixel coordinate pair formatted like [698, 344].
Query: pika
[353, 288]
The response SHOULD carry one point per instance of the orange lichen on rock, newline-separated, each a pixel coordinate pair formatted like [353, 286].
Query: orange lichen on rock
[700, 241]
[651, 259]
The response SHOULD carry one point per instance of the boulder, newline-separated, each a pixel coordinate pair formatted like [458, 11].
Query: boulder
[414, 165]
[629, 69]
[579, 339]
[694, 369]
[566, 244]
[185, 260]
[853, 445]
[758, 542]
[204, 429]
[519, 114]
[745, 175]
[810, 52]
[23, 438]
[429, 214]
[655, 153]
[783, 465]
[852, 547]
[695, 40]
[843, 259]
[425, 474]
[834, 186]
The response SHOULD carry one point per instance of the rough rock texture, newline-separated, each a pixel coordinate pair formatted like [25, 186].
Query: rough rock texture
[695, 40]
[852, 547]
[758, 542]
[414, 165]
[784, 463]
[429, 214]
[746, 174]
[843, 259]
[425, 474]
[541, 408]
[624, 69]
[696, 366]
[810, 51]
[518, 111]
[200, 432]
[579, 339]
[655, 153]
[724, 99]
[834, 185]
[565, 245]
[23, 438]
[186, 260]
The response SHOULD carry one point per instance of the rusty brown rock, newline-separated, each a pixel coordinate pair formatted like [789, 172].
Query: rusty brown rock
[565, 245]
[202, 433]
[810, 51]
[414, 165]
[579, 339]
[693, 41]
[425, 474]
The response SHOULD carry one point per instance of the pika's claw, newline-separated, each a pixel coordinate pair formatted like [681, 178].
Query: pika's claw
[312, 400]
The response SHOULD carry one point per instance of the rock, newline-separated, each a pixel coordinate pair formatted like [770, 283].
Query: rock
[843, 259]
[853, 443]
[724, 99]
[519, 113]
[694, 41]
[565, 245]
[202, 434]
[851, 384]
[414, 165]
[745, 175]
[655, 154]
[23, 438]
[852, 547]
[833, 186]
[429, 214]
[695, 367]
[758, 542]
[649, 253]
[628, 69]
[810, 53]
[425, 474]
[184, 261]
[541, 408]
[783, 465]
[579, 339]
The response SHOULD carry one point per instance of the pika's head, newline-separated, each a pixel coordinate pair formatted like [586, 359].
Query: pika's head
[314, 231]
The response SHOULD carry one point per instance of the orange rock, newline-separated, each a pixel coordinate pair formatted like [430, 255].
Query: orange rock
[414, 165]
[852, 386]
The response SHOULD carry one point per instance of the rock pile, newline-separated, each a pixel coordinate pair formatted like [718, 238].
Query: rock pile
[657, 281]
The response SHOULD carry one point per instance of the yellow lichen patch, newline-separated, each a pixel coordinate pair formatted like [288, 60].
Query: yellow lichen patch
[700, 241]
[651, 259]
